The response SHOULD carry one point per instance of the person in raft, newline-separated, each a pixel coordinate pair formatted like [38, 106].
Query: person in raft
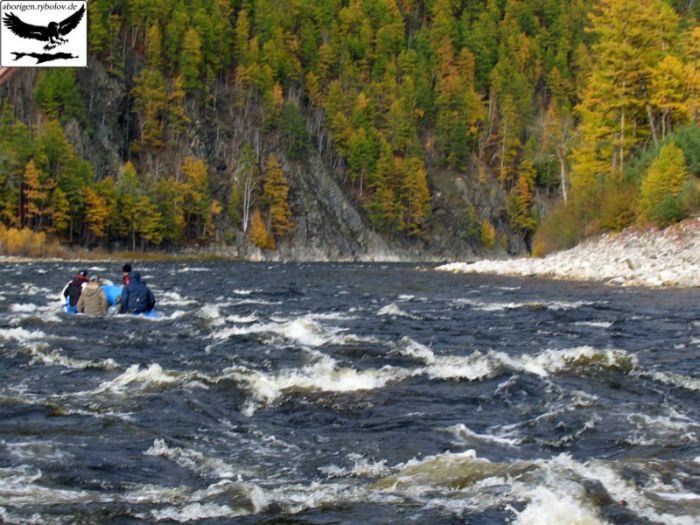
[136, 297]
[93, 300]
[125, 273]
[74, 288]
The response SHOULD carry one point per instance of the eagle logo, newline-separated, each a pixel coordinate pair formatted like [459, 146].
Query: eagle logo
[53, 33]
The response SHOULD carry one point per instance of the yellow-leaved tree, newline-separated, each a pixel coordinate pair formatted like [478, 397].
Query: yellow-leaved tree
[662, 185]
[258, 232]
[96, 215]
[275, 193]
[617, 111]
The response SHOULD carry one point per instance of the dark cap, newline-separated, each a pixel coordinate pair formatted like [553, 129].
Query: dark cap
[126, 268]
[83, 273]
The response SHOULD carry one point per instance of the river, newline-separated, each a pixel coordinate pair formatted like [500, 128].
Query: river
[349, 393]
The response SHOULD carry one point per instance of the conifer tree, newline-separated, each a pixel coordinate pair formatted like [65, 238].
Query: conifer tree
[274, 196]
[60, 212]
[148, 221]
[197, 198]
[96, 215]
[633, 36]
[665, 178]
[151, 102]
[520, 199]
[417, 196]
[36, 196]
[191, 61]
[258, 233]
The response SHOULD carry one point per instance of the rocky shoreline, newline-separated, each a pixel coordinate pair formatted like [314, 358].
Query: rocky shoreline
[634, 257]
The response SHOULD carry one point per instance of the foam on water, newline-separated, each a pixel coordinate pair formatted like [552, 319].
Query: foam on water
[170, 298]
[189, 269]
[670, 428]
[153, 374]
[306, 330]
[45, 451]
[671, 378]
[467, 435]
[478, 365]
[595, 324]
[321, 376]
[24, 308]
[244, 292]
[416, 350]
[362, 467]
[562, 469]
[550, 507]
[393, 310]
[242, 302]
[495, 306]
[242, 318]
[56, 357]
[196, 512]
[21, 335]
[212, 313]
[19, 488]
[473, 367]
[194, 460]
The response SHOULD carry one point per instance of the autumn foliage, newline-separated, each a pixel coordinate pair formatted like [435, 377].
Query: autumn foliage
[564, 106]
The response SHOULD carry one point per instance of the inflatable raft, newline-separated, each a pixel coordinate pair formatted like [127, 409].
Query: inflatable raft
[112, 292]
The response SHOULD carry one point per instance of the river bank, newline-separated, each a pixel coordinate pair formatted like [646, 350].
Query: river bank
[634, 257]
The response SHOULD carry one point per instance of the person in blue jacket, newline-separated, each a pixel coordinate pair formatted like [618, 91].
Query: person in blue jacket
[136, 297]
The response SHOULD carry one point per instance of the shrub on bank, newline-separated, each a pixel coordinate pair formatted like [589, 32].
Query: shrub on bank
[26, 243]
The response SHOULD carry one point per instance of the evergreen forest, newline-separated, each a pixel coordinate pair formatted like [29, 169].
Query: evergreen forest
[583, 114]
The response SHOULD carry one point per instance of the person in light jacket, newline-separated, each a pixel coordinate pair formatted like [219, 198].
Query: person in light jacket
[93, 300]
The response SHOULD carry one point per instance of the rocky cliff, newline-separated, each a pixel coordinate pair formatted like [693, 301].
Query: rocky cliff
[330, 221]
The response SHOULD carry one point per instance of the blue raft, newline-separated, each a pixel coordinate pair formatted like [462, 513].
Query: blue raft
[112, 292]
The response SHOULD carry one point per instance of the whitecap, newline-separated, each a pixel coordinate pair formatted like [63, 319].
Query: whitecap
[242, 302]
[188, 269]
[467, 435]
[240, 291]
[153, 374]
[37, 450]
[550, 507]
[636, 497]
[23, 308]
[211, 312]
[673, 379]
[393, 310]
[196, 512]
[243, 319]
[174, 298]
[595, 324]
[416, 350]
[362, 467]
[55, 357]
[193, 460]
[21, 335]
[306, 330]
[320, 376]
[18, 488]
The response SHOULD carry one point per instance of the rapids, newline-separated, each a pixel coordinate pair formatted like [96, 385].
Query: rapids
[349, 393]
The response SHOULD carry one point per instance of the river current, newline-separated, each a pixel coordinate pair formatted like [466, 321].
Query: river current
[349, 393]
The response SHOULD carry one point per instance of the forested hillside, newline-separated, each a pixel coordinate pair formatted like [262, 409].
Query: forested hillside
[478, 122]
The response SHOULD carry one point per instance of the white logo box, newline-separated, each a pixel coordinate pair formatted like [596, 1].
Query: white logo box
[44, 23]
